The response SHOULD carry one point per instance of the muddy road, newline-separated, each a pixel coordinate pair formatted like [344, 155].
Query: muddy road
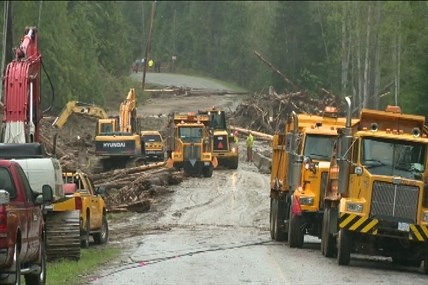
[216, 231]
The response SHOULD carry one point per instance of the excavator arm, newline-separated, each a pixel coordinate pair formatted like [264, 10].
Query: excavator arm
[128, 113]
[22, 92]
[78, 108]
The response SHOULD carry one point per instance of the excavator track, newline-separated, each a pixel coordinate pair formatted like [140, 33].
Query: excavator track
[63, 235]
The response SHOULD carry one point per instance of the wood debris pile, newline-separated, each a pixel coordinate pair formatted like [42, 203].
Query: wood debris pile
[133, 188]
[267, 113]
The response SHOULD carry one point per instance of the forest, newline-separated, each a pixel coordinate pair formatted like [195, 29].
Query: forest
[374, 51]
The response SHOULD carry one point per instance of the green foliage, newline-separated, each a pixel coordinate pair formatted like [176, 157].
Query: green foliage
[88, 46]
[64, 272]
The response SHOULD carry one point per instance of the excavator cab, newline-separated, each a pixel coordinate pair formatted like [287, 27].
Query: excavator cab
[106, 126]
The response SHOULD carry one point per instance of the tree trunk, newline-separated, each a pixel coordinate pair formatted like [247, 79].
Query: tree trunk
[377, 71]
[366, 58]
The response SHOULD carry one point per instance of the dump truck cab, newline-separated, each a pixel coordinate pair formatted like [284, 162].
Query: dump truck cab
[300, 163]
[190, 146]
[376, 196]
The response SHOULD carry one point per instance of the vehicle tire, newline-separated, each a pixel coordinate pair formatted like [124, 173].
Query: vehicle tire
[102, 236]
[207, 171]
[272, 220]
[38, 278]
[328, 242]
[296, 230]
[15, 277]
[280, 233]
[425, 267]
[344, 247]
[84, 235]
[233, 164]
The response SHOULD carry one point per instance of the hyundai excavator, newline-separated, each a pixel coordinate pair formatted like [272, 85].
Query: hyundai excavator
[76, 107]
[118, 144]
[20, 140]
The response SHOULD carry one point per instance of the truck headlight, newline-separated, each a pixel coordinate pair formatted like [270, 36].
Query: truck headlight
[354, 207]
[425, 217]
[309, 201]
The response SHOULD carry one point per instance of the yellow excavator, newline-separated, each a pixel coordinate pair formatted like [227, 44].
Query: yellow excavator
[76, 107]
[117, 142]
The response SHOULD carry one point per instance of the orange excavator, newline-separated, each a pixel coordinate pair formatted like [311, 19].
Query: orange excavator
[21, 140]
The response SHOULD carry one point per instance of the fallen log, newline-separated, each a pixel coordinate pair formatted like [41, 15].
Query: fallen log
[260, 135]
[127, 171]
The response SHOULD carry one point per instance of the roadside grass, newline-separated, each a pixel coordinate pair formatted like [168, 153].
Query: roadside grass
[68, 272]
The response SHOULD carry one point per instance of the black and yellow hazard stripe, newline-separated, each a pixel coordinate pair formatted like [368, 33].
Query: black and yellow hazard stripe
[357, 223]
[419, 233]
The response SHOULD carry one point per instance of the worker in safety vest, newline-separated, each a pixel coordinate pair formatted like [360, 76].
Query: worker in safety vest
[250, 142]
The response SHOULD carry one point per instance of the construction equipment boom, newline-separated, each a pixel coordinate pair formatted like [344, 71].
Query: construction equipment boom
[21, 140]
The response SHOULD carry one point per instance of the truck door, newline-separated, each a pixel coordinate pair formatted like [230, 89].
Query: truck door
[34, 214]
[97, 213]
[17, 207]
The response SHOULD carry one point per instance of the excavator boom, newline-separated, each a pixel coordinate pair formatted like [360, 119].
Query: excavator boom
[78, 108]
[22, 92]
[128, 113]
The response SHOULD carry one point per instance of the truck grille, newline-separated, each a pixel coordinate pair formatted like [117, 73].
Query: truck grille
[192, 152]
[322, 188]
[394, 202]
[220, 143]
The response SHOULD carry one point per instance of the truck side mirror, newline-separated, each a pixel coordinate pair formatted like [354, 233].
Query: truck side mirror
[47, 194]
[4, 197]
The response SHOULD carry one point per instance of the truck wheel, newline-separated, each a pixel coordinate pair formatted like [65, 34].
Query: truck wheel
[296, 230]
[344, 247]
[102, 236]
[207, 171]
[279, 234]
[233, 164]
[425, 267]
[15, 277]
[328, 242]
[84, 235]
[39, 277]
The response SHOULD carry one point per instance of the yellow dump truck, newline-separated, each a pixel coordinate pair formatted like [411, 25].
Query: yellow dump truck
[189, 145]
[300, 163]
[376, 195]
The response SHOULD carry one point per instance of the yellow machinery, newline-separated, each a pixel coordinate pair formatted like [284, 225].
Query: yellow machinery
[153, 145]
[189, 147]
[376, 195]
[300, 163]
[224, 147]
[77, 107]
[118, 143]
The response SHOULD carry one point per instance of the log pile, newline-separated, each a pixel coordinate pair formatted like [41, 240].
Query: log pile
[267, 113]
[133, 189]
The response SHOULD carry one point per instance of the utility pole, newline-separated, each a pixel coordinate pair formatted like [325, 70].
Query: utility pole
[148, 44]
[7, 42]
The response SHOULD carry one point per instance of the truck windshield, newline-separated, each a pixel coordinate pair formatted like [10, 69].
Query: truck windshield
[319, 147]
[393, 157]
[217, 121]
[190, 134]
[152, 138]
